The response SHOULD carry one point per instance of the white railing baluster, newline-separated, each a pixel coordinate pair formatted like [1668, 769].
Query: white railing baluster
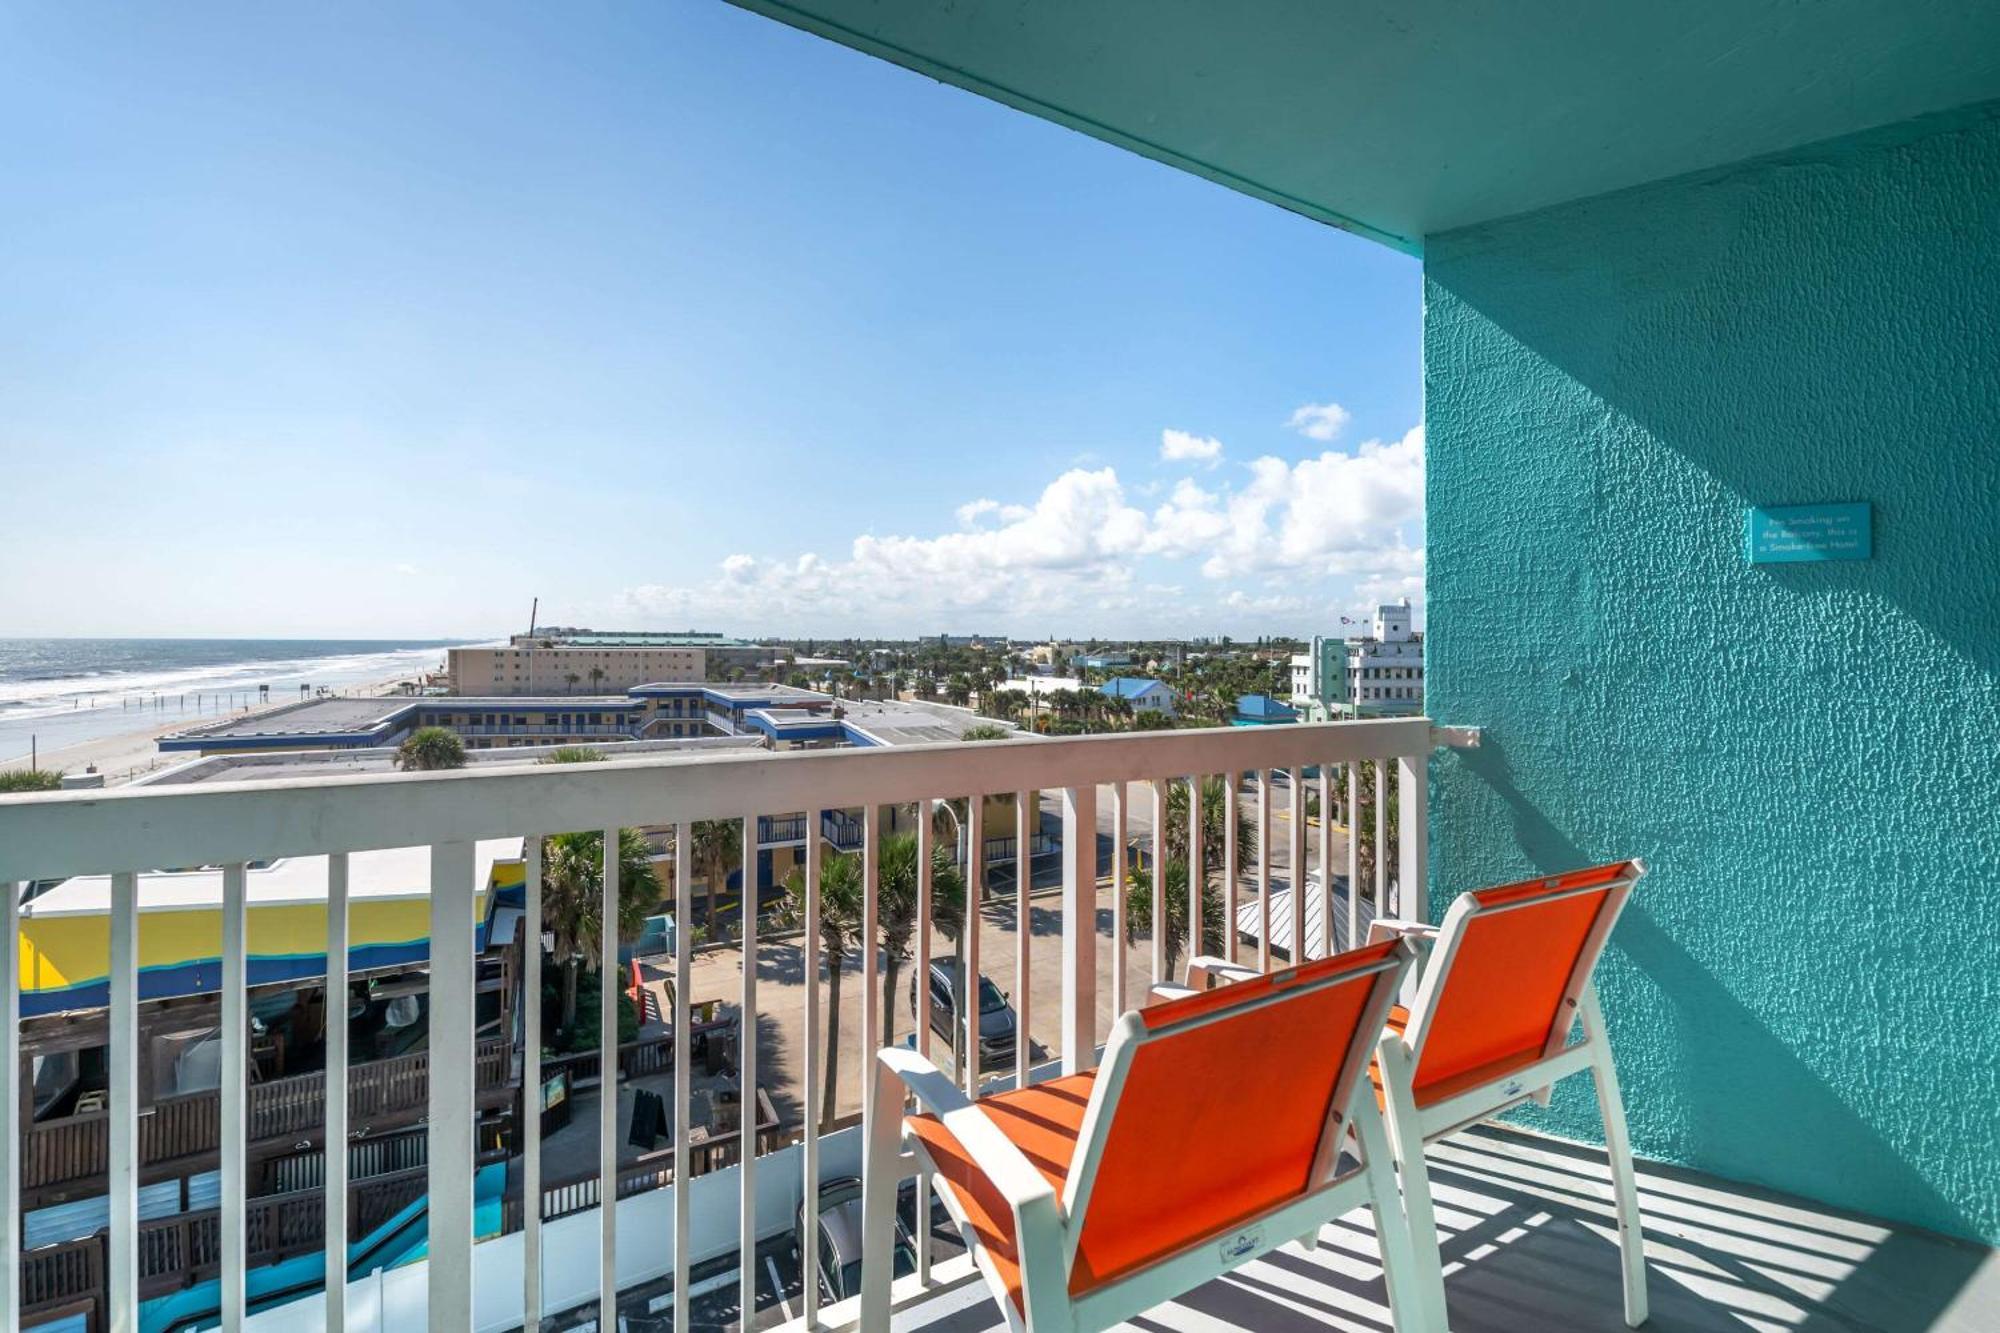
[1263, 870]
[1381, 838]
[609, 986]
[235, 1089]
[810, 1077]
[683, 978]
[531, 1086]
[1119, 875]
[967, 998]
[121, 1274]
[1232, 857]
[920, 1016]
[335, 1140]
[1326, 941]
[1158, 896]
[1353, 774]
[746, 1083]
[454, 976]
[10, 1096]
[1296, 854]
[1197, 868]
[1023, 943]
[1413, 835]
[871, 969]
[1079, 1017]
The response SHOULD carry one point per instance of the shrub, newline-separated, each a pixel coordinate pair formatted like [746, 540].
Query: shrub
[431, 748]
[572, 754]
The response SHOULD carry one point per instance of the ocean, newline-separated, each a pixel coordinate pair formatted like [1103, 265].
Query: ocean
[59, 692]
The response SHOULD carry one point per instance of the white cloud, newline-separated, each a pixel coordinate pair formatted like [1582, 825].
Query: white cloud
[1178, 446]
[1319, 421]
[405, 568]
[1084, 552]
[972, 511]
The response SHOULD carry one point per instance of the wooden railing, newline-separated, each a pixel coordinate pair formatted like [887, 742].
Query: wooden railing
[636, 1059]
[580, 1192]
[379, 1094]
[185, 1248]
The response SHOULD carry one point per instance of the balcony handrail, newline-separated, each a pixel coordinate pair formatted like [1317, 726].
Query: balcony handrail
[55, 835]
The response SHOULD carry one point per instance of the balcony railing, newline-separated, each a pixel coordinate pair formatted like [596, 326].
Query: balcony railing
[999, 851]
[1108, 788]
[181, 1133]
[783, 828]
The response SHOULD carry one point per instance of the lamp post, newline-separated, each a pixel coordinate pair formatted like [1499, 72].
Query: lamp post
[958, 838]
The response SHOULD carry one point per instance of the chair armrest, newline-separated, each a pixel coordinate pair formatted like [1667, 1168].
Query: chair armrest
[1389, 927]
[1206, 971]
[995, 1154]
[1166, 991]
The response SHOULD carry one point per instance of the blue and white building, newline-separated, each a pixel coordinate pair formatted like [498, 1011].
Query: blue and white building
[1145, 694]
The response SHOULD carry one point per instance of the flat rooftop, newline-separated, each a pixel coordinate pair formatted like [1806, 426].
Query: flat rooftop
[313, 717]
[318, 718]
[652, 641]
[388, 873]
[899, 722]
[279, 765]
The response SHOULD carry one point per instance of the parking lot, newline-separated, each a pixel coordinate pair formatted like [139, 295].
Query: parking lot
[781, 983]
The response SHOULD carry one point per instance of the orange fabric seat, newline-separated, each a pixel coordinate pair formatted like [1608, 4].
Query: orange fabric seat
[1212, 1137]
[1429, 1094]
[1043, 1121]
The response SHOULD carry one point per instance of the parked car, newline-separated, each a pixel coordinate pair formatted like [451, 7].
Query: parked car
[838, 1234]
[996, 1016]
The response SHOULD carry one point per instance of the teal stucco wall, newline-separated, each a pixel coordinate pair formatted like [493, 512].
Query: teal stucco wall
[1805, 992]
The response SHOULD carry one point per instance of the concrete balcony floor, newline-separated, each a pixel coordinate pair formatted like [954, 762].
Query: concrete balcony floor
[1529, 1245]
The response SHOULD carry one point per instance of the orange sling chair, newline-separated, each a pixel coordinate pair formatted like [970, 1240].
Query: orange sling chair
[1507, 979]
[1210, 1134]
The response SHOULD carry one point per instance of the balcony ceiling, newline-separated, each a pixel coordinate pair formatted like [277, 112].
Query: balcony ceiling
[1398, 118]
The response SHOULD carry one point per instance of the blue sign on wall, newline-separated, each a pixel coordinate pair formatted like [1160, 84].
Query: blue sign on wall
[1782, 534]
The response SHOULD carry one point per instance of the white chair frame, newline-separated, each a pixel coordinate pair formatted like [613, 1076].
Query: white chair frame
[1048, 1228]
[1411, 1127]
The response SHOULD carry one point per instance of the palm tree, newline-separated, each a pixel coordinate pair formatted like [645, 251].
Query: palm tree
[573, 900]
[571, 678]
[841, 903]
[1139, 912]
[429, 749]
[896, 907]
[716, 850]
[596, 674]
[1364, 834]
[1213, 824]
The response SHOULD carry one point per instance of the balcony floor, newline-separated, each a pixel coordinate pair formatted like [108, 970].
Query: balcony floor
[1529, 1245]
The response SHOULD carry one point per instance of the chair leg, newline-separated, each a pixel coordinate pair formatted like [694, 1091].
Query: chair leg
[1425, 1301]
[1415, 1284]
[879, 1177]
[1618, 1148]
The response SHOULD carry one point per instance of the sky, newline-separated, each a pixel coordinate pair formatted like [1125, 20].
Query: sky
[383, 321]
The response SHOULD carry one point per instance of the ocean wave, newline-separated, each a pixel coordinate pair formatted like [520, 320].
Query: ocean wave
[22, 699]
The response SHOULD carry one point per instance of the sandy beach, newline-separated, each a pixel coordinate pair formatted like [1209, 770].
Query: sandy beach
[132, 754]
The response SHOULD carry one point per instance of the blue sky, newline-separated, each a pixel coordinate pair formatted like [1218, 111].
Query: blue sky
[384, 320]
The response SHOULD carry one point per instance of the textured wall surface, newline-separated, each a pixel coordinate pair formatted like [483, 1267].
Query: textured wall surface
[1805, 992]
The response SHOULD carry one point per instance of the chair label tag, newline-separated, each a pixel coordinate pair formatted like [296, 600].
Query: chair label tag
[1242, 1245]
